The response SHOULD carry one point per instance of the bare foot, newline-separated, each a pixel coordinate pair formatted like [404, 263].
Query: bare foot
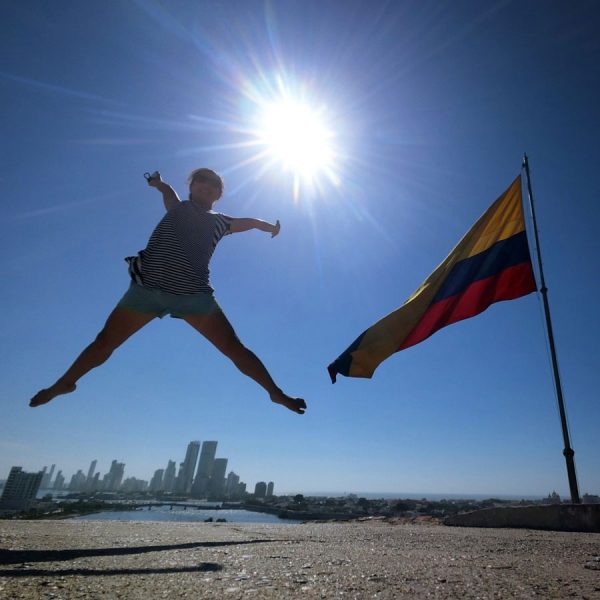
[44, 396]
[296, 405]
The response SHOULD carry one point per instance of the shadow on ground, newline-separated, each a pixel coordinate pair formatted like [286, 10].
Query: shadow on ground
[22, 558]
[11, 557]
[200, 568]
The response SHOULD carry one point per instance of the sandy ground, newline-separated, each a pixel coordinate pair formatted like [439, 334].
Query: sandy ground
[131, 560]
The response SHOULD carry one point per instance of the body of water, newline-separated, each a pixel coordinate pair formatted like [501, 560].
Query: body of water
[190, 515]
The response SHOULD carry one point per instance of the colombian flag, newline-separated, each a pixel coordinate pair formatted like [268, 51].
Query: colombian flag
[491, 263]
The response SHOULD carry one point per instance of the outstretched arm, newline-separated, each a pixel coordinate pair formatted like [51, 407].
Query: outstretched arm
[170, 197]
[245, 224]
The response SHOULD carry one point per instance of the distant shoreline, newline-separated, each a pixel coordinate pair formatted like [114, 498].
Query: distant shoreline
[283, 508]
[435, 497]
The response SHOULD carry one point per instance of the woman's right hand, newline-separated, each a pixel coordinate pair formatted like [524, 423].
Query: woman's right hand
[154, 179]
[275, 230]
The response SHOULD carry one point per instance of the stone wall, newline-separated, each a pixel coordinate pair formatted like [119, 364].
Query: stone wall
[554, 517]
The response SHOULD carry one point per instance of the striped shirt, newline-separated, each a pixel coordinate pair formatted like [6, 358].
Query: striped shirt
[179, 250]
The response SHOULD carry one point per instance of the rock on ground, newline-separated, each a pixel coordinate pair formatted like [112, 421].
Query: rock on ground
[142, 560]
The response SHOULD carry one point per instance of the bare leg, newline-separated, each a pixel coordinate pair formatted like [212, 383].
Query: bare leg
[121, 324]
[217, 329]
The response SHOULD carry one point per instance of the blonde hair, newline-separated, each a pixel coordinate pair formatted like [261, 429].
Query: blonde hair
[209, 174]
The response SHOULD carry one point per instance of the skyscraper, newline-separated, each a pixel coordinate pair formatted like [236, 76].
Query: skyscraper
[20, 489]
[157, 484]
[270, 488]
[178, 478]
[205, 467]
[231, 487]
[46, 479]
[77, 483]
[216, 486]
[112, 480]
[91, 479]
[186, 475]
[59, 482]
[90, 475]
[94, 484]
[169, 477]
[260, 489]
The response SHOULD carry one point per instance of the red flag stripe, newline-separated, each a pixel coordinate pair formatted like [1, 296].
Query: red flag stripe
[511, 283]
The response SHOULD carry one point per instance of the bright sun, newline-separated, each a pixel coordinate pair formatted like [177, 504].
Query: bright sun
[295, 136]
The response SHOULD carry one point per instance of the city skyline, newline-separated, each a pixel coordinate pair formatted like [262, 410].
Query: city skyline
[210, 479]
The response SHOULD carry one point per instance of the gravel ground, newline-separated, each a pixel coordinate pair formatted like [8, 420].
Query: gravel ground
[131, 560]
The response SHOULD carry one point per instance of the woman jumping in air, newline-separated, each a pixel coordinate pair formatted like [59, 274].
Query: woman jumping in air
[171, 276]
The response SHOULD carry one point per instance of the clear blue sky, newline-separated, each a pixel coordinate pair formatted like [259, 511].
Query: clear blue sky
[432, 105]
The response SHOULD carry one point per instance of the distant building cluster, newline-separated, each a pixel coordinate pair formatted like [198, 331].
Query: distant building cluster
[263, 490]
[200, 475]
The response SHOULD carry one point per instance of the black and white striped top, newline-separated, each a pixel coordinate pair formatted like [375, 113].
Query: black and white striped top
[179, 250]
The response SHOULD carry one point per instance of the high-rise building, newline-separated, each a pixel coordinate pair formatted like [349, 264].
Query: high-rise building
[47, 478]
[91, 470]
[112, 480]
[59, 482]
[178, 478]
[205, 467]
[169, 477]
[20, 489]
[260, 489]
[231, 487]
[156, 483]
[186, 474]
[270, 488]
[216, 485]
[77, 483]
[94, 484]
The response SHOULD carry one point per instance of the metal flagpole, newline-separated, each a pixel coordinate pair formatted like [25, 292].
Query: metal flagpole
[568, 452]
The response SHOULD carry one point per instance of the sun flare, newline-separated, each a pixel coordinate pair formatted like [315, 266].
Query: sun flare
[291, 136]
[295, 136]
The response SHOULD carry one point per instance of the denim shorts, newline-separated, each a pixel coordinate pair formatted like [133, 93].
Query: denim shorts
[153, 301]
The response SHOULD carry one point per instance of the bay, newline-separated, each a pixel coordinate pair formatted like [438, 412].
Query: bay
[190, 515]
